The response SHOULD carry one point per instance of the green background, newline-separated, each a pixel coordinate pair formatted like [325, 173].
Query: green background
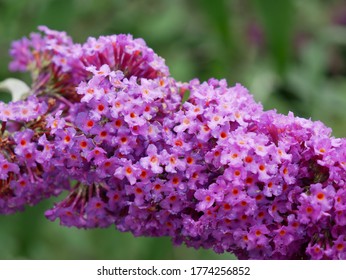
[291, 54]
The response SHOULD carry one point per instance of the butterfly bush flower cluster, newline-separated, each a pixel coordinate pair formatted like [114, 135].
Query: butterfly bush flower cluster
[107, 123]
[57, 65]
[118, 123]
[26, 173]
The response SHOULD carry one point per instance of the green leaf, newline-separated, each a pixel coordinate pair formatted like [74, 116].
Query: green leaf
[219, 17]
[278, 18]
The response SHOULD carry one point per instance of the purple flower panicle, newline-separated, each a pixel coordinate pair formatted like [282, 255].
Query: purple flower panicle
[117, 120]
[105, 121]
[58, 65]
[26, 174]
[217, 172]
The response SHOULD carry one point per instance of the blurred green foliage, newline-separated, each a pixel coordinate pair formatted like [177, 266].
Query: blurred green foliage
[291, 54]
